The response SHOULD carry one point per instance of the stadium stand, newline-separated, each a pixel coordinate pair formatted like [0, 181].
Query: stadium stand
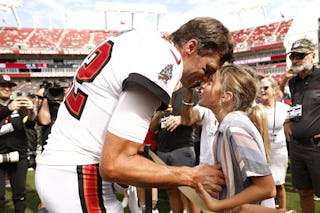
[38, 53]
[101, 35]
[283, 29]
[45, 38]
[12, 37]
[75, 39]
[62, 39]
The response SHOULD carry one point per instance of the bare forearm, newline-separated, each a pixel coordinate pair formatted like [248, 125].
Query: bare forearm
[121, 163]
[261, 188]
[286, 77]
[155, 121]
[283, 83]
[142, 172]
[254, 208]
[44, 117]
[189, 115]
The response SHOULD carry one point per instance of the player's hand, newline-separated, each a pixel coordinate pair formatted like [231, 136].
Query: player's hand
[210, 177]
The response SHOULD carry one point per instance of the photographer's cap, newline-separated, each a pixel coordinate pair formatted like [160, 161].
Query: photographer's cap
[6, 79]
[302, 46]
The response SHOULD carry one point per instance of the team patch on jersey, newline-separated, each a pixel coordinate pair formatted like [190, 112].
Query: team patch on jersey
[166, 74]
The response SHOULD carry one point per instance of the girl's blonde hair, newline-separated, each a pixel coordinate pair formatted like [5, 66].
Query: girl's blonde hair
[241, 82]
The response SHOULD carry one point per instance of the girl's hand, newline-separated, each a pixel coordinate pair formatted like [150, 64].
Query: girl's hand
[211, 202]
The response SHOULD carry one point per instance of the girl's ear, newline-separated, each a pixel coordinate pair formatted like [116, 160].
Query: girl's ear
[227, 97]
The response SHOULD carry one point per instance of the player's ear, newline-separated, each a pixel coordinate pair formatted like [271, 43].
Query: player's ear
[191, 47]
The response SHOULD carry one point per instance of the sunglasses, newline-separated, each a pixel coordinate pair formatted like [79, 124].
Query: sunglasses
[298, 56]
[264, 88]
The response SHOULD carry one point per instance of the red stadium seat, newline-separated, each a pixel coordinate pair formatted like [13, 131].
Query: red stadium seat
[45, 38]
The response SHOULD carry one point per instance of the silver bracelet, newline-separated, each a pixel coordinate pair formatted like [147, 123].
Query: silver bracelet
[187, 104]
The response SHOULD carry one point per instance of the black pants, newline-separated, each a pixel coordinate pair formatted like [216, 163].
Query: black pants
[17, 173]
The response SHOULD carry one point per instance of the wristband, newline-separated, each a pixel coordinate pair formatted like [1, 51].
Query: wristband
[187, 104]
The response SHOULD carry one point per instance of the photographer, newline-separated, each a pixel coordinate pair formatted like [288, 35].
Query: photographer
[52, 96]
[15, 116]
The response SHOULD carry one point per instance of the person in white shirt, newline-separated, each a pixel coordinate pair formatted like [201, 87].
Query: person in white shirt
[276, 111]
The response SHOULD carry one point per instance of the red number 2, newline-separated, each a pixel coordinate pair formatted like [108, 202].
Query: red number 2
[90, 68]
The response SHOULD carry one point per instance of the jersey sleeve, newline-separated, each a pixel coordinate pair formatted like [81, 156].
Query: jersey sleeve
[157, 67]
[131, 117]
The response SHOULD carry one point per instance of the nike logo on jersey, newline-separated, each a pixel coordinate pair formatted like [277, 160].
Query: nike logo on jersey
[175, 57]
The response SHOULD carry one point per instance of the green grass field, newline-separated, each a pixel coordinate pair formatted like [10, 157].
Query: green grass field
[163, 206]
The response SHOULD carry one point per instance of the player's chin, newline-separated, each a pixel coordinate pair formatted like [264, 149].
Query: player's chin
[190, 83]
[185, 82]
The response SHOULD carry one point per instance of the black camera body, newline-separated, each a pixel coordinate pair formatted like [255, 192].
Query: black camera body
[54, 92]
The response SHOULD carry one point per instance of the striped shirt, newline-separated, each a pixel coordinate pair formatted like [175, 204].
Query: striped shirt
[240, 151]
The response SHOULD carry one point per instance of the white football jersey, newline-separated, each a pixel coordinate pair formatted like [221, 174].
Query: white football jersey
[130, 58]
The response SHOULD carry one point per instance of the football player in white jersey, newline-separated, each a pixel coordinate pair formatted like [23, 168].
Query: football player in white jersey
[105, 117]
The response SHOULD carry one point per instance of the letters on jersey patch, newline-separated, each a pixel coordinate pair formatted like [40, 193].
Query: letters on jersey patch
[166, 73]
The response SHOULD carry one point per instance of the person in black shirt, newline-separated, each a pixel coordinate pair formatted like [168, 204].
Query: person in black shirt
[15, 116]
[302, 129]
[176, 144]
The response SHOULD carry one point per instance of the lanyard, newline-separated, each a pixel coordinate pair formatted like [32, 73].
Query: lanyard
[274, 118]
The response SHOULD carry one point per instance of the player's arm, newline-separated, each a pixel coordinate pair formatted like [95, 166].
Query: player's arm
[120, 161]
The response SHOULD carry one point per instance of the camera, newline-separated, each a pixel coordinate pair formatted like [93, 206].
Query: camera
[55, 91]
[45, 85]
[10, 157]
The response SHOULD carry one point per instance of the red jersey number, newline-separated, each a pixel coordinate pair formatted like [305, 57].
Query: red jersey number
[90, 68]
